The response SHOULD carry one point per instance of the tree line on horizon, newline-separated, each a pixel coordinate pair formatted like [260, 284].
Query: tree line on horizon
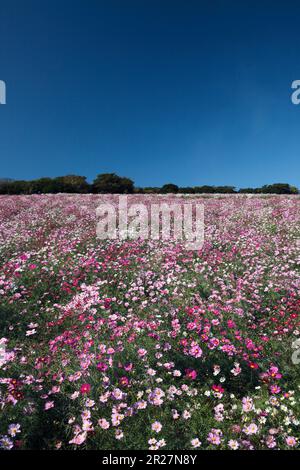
[111, 183]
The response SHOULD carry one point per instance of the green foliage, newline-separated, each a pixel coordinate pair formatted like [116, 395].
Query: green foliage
[276, 188]
[112, 184]
[169, 188]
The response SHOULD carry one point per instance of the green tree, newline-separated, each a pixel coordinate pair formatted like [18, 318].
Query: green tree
[169, 188]
[247, 190]
[151, 190]
[112, 183]
[204, 189]
[186, 190]
[72, 184]
[42, 186]
[278, 188]
[225, 189]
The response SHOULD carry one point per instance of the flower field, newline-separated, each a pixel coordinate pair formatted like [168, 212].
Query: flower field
[145, 345]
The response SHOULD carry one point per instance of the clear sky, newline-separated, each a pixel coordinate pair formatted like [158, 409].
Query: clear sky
[190, 92]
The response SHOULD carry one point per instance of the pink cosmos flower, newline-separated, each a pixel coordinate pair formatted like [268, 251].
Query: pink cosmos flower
[191, 374]
[124, 381]
[214, 437]
[275, 389]
[195, 350]
[195, 443]
[250, 429]
[119, 434]
[233, 444]
[291, 441]
[156, 426]
[103, 423]
[142, 352]
[79, 439]
[247, 404]
[102, 366]
[85, 388]
[49, 404]
[218, 388]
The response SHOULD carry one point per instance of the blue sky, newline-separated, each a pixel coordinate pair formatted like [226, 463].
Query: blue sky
[190, 92]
